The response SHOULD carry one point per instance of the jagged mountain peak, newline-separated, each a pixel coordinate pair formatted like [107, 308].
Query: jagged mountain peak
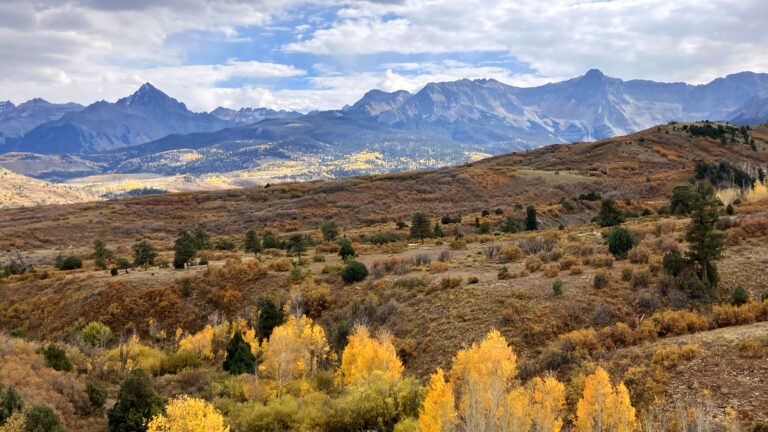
[150, 96]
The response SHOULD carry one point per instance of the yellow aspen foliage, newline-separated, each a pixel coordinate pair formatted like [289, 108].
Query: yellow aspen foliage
[548, 402]
[293, 350]
[365, 355]
[481, 376]
[186, 414]
[603, 407]
[248, 333]
[17, 422]
[519, 412]
[200, 343]
[438, 414]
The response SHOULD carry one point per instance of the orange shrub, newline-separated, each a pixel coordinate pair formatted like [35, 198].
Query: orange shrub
[510, 253]
[533, 263]
[551, 270]
[281, 265]
[728, 315]
[755, 227]
[567, 262]
[671, 322]
[639, 255]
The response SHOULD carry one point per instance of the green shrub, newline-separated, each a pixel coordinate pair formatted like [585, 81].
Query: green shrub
[113, 271]
[346, 250]
[225, 245]
[620, 241]
[557, 287]
[354, 271]
[56, 358]
[764, 296]
[178, 361]
[10, 402]
[740, 296]
[41, 418]
[69, 263]
[97, 393]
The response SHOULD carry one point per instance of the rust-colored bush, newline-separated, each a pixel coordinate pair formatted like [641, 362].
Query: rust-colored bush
[641, 278]
[728, 315]
[567, 262]
[281, 265]
[602, 279]
[639, 255]
[510, 253]
[671, 322]
[576, 270]
[551, 270]
[533, 263]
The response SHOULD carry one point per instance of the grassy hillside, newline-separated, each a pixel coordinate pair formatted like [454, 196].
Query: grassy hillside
[679, 357]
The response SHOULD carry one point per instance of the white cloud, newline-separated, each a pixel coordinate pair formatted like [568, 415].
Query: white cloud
[691, 40]
[83, 50]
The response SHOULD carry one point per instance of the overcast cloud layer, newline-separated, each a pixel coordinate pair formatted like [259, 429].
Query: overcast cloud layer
[324, 54]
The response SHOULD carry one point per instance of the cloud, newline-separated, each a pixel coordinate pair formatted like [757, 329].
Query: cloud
[692, 40]
[304, 55]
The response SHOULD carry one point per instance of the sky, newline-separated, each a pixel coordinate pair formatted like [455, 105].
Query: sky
[293, 54]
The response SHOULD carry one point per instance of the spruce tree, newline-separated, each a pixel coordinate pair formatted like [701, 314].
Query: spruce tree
[185, 248]
[137, 402]
[610, 215]
[270, 316]
[420, 226]
[239, 358]
[252, 242]
[531, 222]
[705, 242]
[345, 248]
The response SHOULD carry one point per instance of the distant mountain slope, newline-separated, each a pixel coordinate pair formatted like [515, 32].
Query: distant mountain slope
[17, 190]
[15, 121]
[251, 115]
[146, 115]
[754, 111]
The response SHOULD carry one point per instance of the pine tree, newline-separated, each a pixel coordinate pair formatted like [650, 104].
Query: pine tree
[185, 248]
[421, 228]
[705, 242]
[101, 255]
[137, 403]
[143, 254]
[297, 244]
[252, 242]
[345, 248]
[438, 231]
[239, 358]
[330, 231]
[531, 222]
[609, 215]
[270, 316]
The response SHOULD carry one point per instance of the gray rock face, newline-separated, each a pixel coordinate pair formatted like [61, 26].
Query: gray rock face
[144, 116]
[754, 111]
[246, 116]
[15, 121]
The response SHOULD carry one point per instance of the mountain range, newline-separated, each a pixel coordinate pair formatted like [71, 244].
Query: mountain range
[443, 123]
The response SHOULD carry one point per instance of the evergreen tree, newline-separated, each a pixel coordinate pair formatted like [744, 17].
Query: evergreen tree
[345, 248]
[610, 215]
[143, 254]
[620, 241]
[137, 402]
[270, 241]
[420, 226]
[531, 223]
[705, 242]
[239, 358]
[438, 230]
[41, 418]
[252, 242]
[297, 244]
[10, 402]
[185, 248]
[270, 316]
[101, 255]
[330, 231]
[202, 239]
